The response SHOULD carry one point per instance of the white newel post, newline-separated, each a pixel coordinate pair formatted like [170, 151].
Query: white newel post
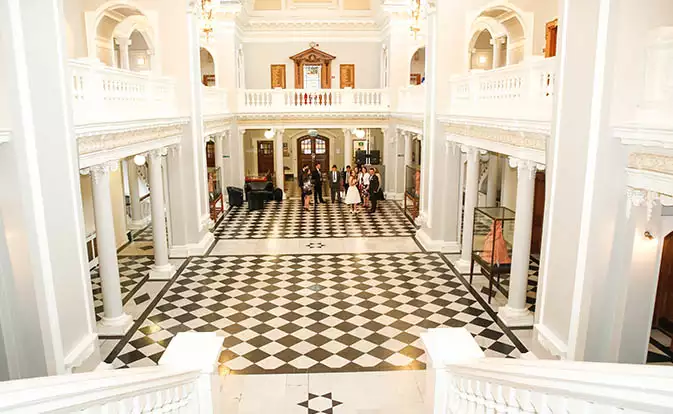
[124, 61]
[161, 269]
[114, 320]
[137, 221]
[492, 183]
[471, 196]
[348, 148]
[516, 313]
[278, 160]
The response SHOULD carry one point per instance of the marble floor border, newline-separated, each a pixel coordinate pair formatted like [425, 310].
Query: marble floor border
[136, 324]
[487, 307]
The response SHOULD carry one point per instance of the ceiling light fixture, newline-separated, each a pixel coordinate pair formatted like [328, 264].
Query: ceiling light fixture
[268, 134]
[139, 160]
[207, 18]
[415, 12]
[359, 133]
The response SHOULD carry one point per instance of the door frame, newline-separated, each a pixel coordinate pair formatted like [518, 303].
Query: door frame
[273, 155]
[325, 167]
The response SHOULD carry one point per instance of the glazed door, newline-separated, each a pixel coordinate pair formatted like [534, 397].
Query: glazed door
[265, 162]
[538, 214]
[313, 150]
[663, 306]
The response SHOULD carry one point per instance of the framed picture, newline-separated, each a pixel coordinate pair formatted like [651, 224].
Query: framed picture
[286, 150]
[347, 76]
[277, 76]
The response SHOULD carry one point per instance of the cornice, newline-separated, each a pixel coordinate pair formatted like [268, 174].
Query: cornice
[115, 137]
[315, 25]
[651, 162]
[313, 115]
[107, 128]
[521, 139]
[654, 182]
[215, 124]
[537, 127]
[5, 135]
[646, 136]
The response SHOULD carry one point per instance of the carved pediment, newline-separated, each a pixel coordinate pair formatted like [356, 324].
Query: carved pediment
[313, 55]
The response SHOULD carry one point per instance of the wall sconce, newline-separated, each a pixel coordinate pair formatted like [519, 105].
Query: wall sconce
[648, 235]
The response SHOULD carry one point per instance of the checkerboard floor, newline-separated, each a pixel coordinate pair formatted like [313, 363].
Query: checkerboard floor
[132, 270]
[314, 313]
[287, 219]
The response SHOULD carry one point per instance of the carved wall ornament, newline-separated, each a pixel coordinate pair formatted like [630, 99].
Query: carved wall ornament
[93, 141]
[524, 139]
[527, 167]
[636, 197]
[651, 162]
[313, 56]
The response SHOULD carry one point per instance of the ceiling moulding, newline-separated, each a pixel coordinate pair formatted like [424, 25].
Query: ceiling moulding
[310, 25]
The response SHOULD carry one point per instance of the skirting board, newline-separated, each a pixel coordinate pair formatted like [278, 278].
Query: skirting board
[80, 352]
[550, 341]
[436, 245]
[196, 249]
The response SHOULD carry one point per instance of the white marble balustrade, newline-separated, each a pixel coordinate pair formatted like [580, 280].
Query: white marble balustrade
[104, 94]
[411, 99]
[524, 91]
[215, 101]
[323, 100]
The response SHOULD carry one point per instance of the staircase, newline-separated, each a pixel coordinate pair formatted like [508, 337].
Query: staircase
[459, 379]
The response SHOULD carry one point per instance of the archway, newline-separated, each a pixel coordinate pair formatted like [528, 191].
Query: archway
[207, 68]
[417, 67]
[313, 150]
[481, 51]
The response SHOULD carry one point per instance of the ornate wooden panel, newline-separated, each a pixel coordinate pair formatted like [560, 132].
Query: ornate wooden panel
[347, 75]
[278, 76]
[313, 56]
[550, 38]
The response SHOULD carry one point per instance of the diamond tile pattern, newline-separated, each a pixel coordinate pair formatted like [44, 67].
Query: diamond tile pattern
[287, 219]
[131, 272]
[315, 313]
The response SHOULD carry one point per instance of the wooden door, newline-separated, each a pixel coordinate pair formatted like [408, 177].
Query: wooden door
[265, 161]
[663, 305]
[210, 154]
[551, 38]
[313, 150]
[538, 214]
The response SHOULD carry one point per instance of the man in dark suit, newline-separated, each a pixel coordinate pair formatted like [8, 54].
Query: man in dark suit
[317, 184]
[346, 178]
[335, 184]
[374, 187]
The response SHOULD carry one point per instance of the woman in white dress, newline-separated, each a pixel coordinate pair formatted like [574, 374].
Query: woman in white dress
[353, 194]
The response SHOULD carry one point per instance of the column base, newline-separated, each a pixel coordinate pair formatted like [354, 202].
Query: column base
[436, 245]
[115, 326]
[138, 224]
[194, 249]
[161, 272]
[463, 266]
[516, 317]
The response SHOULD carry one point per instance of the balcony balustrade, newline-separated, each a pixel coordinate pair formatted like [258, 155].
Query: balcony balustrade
[520, 92]
[411, 99]
[215, 101]
[104, 94]
[320, 101]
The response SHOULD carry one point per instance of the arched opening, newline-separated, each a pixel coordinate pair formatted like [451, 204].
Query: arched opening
[417, 67]
[661, 346]
[312, 151]
[139, 53]
[481, 51]
[207, 68]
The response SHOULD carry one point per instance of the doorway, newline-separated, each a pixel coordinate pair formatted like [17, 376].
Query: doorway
[661, 344]
[538, 214]
[265, 159]
[313, 150]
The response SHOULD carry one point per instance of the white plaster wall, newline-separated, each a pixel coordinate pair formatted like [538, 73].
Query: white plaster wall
[260, 56]
[74, 26]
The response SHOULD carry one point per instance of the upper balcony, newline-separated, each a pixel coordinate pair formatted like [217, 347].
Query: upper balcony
[353, 102]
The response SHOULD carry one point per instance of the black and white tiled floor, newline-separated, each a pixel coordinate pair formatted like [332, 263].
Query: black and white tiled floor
[315, 313]
[132, 271]
[287, 219]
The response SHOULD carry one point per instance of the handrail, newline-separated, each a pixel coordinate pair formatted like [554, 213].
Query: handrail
[152, 388]
[321, 100]
[466, 382]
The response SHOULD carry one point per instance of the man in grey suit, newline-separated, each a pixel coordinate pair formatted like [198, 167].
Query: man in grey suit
[335, 184]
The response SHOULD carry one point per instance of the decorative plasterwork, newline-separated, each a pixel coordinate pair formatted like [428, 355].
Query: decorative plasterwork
[5, 135]
[645, 136]
[655, 182]
[313, 25]
[216, 125]
[518, 144]
[651, 162]
[103, 143]
[345, 116]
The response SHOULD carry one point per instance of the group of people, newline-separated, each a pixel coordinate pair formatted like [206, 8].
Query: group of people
[360, 186]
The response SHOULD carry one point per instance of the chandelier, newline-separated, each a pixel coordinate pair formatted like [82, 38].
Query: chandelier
[207, 18]
[415, 11]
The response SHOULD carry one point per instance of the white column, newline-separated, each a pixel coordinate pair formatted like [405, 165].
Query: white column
[508, 197]
[389, 161]
[497, 45]
[219, 160]
[124, 61]
[114, 320]
[161, 269]
[516, 313]
[240, 152]
[278, 158]
[471, 195]
[137, 219]
[408, 148]
[492, 184]
[348, 148]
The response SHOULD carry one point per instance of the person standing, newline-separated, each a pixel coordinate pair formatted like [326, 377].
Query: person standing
[335, 184]
[317, 185]
[374, 188]
[306, 186]
[353, 194]
[346, 178]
